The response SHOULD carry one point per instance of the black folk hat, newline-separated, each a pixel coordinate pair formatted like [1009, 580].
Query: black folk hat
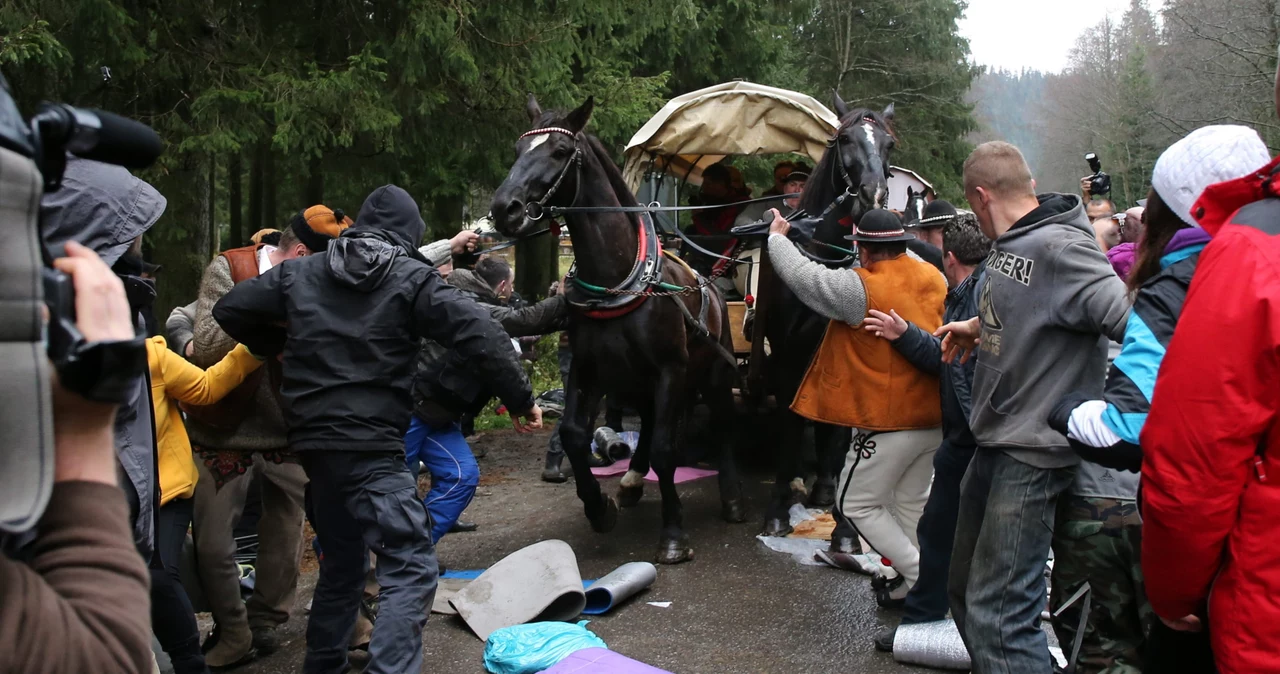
[936, 214]
[879, 226]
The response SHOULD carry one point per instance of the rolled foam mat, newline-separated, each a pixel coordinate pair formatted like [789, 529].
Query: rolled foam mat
[932, 644]
[537, 583]
[618, 586]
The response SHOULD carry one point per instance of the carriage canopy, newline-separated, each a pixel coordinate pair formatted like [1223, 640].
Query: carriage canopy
[698, 129]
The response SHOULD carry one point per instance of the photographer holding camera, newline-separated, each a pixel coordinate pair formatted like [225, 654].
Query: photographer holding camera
[1096, 184]
[80, 592]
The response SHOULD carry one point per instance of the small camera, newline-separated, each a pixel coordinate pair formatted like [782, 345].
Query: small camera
[1099, 182]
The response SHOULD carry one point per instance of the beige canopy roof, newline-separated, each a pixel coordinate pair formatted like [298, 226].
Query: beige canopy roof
[698, 129]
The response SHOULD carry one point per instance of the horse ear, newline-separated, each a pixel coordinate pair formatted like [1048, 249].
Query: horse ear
[888, 114]
[841, 107]
[531, 106]
[578, 118]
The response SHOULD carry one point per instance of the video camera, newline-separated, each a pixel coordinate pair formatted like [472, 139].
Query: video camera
[37, 302]
[1099, 182]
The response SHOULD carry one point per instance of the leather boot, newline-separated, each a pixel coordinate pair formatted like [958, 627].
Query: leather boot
[234, 648]
[551, 470]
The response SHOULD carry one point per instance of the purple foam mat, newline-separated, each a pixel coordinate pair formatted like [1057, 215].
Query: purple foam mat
[601, 661]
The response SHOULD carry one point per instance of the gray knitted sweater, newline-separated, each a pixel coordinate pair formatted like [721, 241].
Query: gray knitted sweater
[264, 428]
[837, 294]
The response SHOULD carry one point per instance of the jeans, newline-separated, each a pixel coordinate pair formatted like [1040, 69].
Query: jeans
[1003, 533]
[454, 471]
[365, 501]
[172, 618]
[927, 601]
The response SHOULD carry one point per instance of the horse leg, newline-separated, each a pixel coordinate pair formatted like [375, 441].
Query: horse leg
[575, 435]
[669, 413]
[632, 486]
[786, 461]
[719, 397]
[830, 444]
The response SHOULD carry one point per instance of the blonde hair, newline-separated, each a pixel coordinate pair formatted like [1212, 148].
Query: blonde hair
[999, 168]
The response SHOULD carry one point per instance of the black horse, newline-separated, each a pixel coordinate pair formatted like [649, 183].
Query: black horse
[649, 353]
[856, 165]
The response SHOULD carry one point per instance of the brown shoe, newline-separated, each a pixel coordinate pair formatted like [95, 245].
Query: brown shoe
[234, 649]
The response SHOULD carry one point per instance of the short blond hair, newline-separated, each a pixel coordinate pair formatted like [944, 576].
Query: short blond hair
[1000, 168]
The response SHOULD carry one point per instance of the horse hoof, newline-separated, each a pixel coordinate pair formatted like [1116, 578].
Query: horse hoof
[607, 520]
[776, 526]
[629, 497]
[733, 512]
[823, 495]
[674, 551]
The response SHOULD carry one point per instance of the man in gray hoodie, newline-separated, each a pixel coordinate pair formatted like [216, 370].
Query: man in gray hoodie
[1049, 300]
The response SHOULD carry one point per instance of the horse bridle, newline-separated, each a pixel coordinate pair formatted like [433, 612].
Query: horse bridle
[834, 144]
[534, 211]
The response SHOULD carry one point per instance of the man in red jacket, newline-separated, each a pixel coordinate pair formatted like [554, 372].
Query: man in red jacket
[1211, 469]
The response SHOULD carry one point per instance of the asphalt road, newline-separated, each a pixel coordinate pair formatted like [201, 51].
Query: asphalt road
[738, 607]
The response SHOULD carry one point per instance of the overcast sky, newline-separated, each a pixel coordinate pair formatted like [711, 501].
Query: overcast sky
[1038, 34]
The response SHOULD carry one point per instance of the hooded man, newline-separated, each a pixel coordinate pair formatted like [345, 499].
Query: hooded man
[348, 325]
[107, 209]
[243, 434]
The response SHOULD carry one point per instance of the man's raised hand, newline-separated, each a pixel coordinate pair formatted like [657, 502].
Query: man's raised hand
[959, 339]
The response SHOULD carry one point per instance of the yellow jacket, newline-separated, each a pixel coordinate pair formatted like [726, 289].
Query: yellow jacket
[173, 378]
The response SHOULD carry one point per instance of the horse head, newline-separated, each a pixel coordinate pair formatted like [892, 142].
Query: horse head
[914, 209]
[547, 169]
[856, 164]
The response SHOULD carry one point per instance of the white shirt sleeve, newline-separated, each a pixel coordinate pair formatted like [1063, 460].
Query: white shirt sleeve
[1086, 425]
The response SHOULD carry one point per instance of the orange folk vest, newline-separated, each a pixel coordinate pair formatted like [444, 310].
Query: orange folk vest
[859, 380]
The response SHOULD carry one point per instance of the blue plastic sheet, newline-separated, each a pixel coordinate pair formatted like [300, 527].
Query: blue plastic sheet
[531, 648]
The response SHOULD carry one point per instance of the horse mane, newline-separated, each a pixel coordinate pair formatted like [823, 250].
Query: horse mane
[824, 183]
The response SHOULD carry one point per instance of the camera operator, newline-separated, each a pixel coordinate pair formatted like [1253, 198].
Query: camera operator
[1096, 184]
[108, 209]
[77, 602]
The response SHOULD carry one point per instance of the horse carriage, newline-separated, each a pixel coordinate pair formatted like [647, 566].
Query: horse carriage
[668, 155]
[651, 332]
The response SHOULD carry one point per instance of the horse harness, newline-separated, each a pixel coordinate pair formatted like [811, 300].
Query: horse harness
[645, 278]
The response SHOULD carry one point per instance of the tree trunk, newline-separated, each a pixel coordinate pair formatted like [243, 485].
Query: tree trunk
[235, 237]
[537, 266]
[215, 241]
[271, 218]
[315, 182]
[199, 186]
[255, 190]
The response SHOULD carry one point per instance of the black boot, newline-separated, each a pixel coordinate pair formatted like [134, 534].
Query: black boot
[551, 470]
[884, 640]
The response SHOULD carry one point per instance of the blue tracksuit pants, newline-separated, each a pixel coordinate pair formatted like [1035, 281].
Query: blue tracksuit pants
[454, 471]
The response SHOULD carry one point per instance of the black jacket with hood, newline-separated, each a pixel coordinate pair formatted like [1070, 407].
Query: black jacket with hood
[349, 324]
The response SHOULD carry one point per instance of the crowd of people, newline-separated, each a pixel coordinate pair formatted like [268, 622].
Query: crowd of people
[1046, 403]
[1046, 379]
[223, 426]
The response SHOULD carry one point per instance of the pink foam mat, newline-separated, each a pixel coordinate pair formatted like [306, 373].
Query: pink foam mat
[683, 474]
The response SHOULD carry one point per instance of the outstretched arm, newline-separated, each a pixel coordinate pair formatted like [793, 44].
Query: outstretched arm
[837, 294]
[549, 315]
[192, 385]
